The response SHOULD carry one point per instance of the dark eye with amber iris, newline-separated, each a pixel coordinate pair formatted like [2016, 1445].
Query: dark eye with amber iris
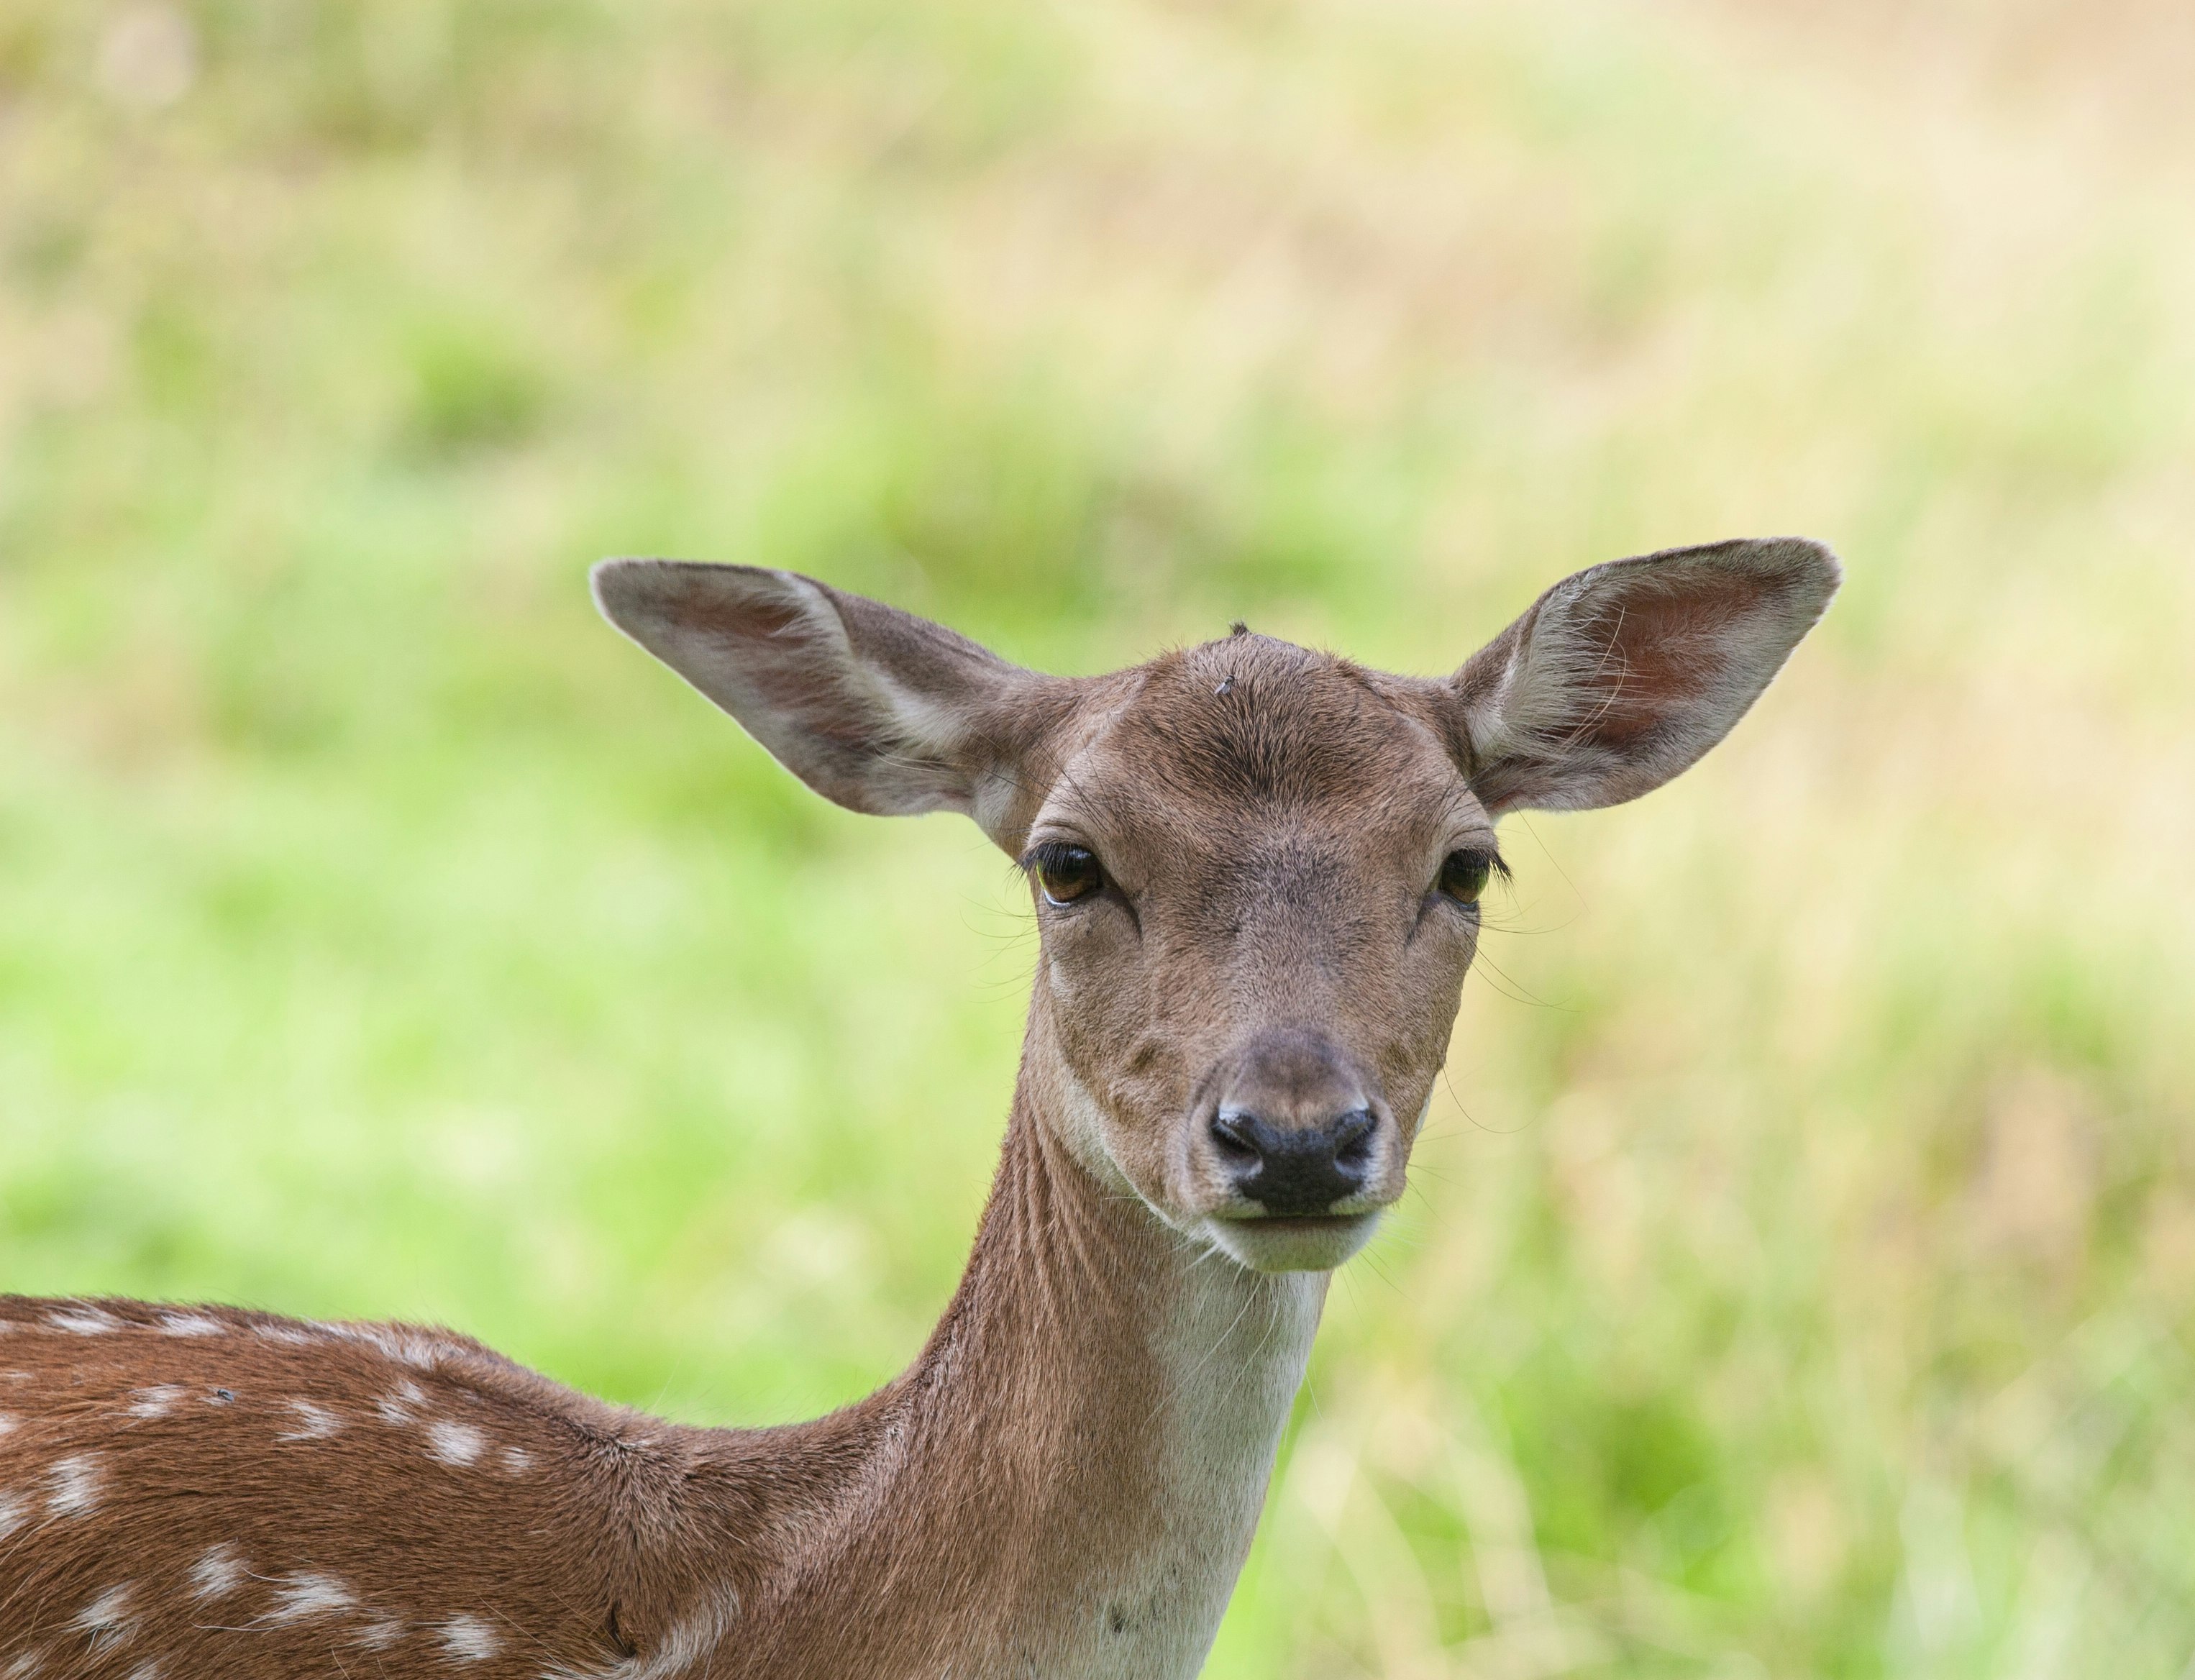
[1065, 873]
[1463, 874]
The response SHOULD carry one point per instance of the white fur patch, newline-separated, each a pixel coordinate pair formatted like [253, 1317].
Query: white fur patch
[466, 1639]
[290, 1335]
[314, 1423]
[411, 1350]
[1233, 1357]
[309, 1593]
[455, 1443]
[515, 1460]
[75, 1483]
[156, 1401]
[106, 1617]
[84, 1321]
[189, 1324]
[26, 1666]
[7, 1423]
[11, 1514]
[405, 1348]
[218, 1572]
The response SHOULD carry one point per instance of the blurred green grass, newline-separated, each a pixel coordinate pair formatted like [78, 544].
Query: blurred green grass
[1800, 1274]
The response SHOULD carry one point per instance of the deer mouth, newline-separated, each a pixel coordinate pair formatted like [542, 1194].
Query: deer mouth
[1293, 1242]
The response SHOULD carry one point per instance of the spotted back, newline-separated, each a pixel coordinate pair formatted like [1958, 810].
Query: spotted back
[201, 1491]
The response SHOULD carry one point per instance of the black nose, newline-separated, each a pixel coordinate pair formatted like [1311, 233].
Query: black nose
[1296, 1169]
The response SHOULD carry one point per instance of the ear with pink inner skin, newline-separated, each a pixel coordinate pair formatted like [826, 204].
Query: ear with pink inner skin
[1621, 675]
[874, 708]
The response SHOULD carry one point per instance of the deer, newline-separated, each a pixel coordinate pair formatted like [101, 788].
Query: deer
[1256, 871]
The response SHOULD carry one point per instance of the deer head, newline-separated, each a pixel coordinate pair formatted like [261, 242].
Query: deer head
[1256, 868]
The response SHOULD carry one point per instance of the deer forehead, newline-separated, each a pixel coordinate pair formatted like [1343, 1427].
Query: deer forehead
[1223, 745]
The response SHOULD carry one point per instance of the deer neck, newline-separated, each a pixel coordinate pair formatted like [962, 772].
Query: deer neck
[1066, 1481]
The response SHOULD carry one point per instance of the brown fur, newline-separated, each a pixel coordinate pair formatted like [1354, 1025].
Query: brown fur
[1063, 1483]
[963, 1491]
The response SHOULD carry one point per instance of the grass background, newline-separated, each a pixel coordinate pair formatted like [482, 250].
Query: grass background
[1801, 1273]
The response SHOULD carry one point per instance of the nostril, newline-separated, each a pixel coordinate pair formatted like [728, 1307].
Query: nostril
[1296, 1169]
[1352, 1139]
[1235, 1137]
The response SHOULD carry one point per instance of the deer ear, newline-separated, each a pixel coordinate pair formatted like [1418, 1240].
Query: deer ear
[1621, 675]
[874, 708]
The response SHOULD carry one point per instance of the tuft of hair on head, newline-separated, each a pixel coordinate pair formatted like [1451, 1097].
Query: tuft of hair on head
[1238, 628]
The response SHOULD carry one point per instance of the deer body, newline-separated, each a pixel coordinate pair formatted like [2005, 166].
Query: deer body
[1255, 870]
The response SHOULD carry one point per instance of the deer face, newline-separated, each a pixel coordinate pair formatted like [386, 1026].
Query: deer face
[1256, 869]
[1256, 877]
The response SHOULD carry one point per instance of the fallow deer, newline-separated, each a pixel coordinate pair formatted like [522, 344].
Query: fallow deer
[1255, 872]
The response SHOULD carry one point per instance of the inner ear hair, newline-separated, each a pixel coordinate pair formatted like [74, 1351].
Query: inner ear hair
[1621, 675]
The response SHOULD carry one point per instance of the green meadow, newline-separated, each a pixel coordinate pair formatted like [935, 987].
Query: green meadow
[1799, 1279]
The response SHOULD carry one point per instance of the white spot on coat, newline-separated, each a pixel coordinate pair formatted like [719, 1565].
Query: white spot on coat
[190, 1324]
[106, 1617]
[455, 1443]
[25, 1666]
[467, 1639]
[392, 1345]
[7, 1423]
[309, 1593]
[145, 1671]
[314, 1423]
[394, 1412]
[217, 1572]
[84, 1321]
[75, 1483]
[11, 1514]
[291, 1335]
[515, 1460]
[413, 1350]
[156, 1401]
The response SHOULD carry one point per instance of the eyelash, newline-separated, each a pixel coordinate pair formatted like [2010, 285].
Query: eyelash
[1489, 864]
[1050, 854]
[1057, 863]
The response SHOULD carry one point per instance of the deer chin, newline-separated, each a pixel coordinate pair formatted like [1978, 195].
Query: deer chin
[1281, 1245]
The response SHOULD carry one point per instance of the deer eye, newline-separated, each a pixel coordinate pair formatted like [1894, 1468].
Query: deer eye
[1066, 873]
[1463, 874]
